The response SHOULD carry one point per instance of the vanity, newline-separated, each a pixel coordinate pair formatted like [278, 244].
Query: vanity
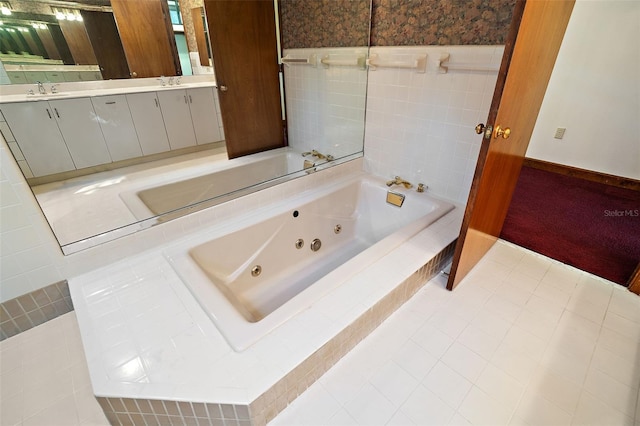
[76, 126]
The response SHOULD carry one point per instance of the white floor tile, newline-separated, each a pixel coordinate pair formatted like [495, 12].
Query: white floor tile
[482, 354]
[621, 369]
[593, 412]
[394, 383]
[423, 407]
[500, 386]
[318, 405]
[480, 409]
[563, 392]
[464, 361]
[448, 385]
[534, 409]
[414, 359]
[477, 340]
[370, 407]
[609, 391]
[432, 340]
[515, 363]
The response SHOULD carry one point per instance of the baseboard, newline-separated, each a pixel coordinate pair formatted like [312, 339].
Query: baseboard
[590, 175]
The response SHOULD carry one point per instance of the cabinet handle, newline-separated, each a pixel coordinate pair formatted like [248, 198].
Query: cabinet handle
[49, 114]
[156, 101]
[185, 99]
[110, 103]
[57, 114]
[190, 100]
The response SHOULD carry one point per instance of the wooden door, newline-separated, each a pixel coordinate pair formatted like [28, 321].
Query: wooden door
[147, 37]
[107, 46]
[76, 36]
[243, 41]
[534, 40]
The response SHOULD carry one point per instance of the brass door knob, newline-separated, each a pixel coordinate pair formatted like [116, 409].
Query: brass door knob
[480, 128]
[500, 132]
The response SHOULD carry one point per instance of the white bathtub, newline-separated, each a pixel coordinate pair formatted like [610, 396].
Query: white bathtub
[209, 184]
[217, 268]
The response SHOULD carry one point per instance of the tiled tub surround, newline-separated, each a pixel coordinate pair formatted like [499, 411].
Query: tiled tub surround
[146, 337]
[421, 125]
[326, 104]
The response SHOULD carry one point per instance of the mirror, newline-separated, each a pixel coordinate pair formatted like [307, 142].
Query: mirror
[102, 202]
[89, 40]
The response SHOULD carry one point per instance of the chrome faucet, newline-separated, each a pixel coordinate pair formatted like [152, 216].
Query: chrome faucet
[399, 181]
[317, 154]
[41, 88]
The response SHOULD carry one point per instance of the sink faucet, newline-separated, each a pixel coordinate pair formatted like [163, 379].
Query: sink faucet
[41, 88]
[399, 181]
[315, 153]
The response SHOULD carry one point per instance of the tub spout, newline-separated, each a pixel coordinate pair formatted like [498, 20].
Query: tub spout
[399, 181]
[317, 154]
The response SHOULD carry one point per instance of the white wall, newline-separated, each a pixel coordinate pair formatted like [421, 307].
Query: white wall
[594, 92]
[29, 254]
[420, 126]
[326, 105]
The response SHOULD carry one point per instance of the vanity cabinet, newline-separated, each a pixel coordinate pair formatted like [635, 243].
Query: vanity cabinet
[77, 121]
[177, 118]
[38, 136]
[204, 114]
[57, 136]
[148, 121]
[117, 126]
[63, 134]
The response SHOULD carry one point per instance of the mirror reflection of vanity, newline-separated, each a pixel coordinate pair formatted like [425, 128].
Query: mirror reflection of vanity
[133, 152]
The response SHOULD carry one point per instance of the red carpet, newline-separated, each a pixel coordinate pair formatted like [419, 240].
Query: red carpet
[591, 226]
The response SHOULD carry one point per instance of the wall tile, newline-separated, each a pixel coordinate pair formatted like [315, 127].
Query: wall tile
[421, 126]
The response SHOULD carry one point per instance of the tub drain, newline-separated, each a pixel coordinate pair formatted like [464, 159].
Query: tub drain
[256, 270]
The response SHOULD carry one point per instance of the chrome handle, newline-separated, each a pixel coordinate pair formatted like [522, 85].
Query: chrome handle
[223, 88]
[156, 101]
[185, 100]
[190, 100]
[110, 103]
[57, 114]
[49, 114]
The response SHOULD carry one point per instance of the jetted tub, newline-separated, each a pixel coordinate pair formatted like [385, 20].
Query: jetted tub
[208, 185]
[265, 268]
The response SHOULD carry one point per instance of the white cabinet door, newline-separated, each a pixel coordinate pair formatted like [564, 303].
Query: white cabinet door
[204, 115]
[81, 131]
[147, 118]
[117, 126]
[38, 136]
[177, 118]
